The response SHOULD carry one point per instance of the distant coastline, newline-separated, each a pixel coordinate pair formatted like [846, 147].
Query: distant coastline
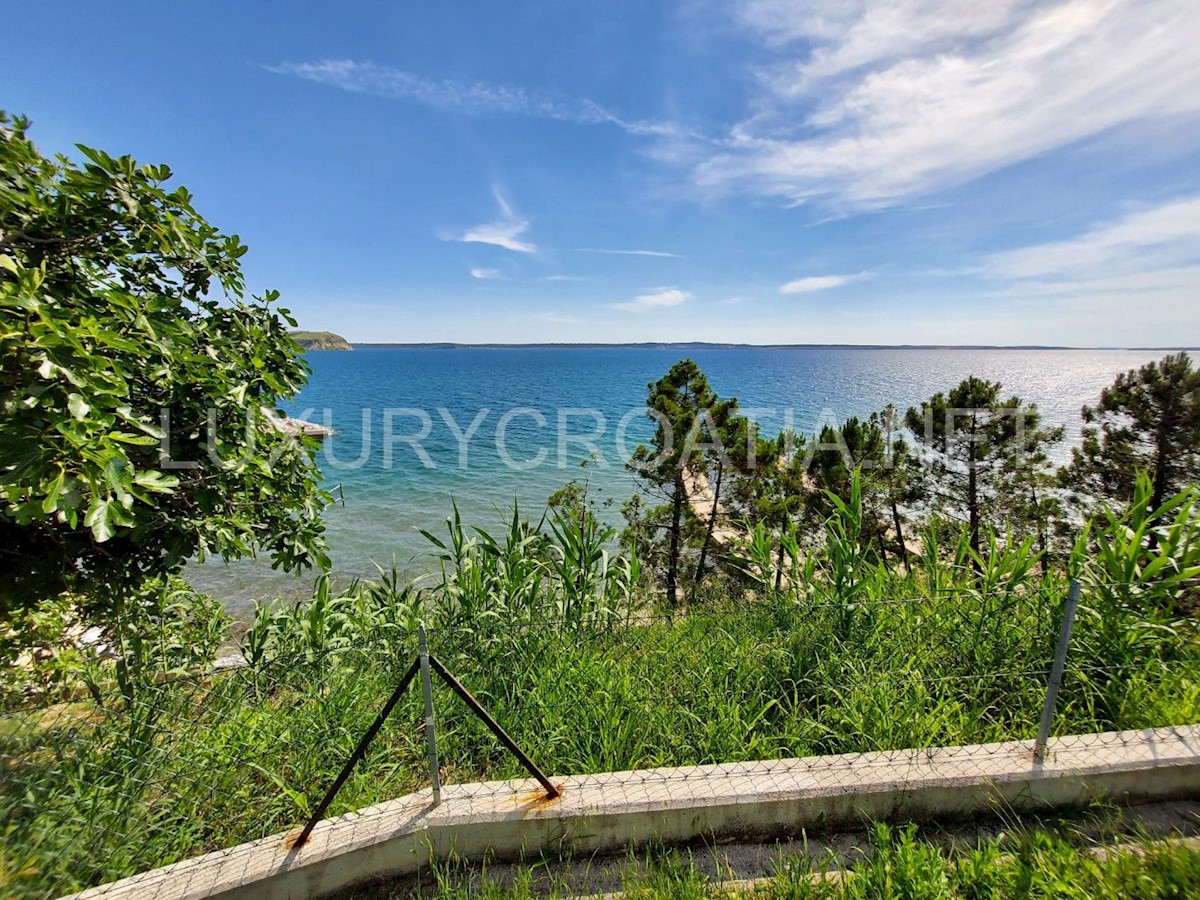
[703, 345]
[321, 340]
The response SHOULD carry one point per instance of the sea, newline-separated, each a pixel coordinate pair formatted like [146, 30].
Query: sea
[419, 429]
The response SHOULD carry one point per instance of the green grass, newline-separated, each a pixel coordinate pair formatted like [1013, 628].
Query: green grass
[854, 658]
[898, 865]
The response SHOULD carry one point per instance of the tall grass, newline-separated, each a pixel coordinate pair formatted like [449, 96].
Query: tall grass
[567, 648]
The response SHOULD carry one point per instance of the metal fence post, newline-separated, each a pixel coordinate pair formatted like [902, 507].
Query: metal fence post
[1056, 670]
[430, 730]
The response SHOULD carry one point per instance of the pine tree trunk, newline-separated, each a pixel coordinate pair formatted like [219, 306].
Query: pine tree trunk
[712, 522]
[973, 503]
[1160, 468]
[673, 553]
[1041, 530]
[1159, 493]
[900, 538]
[973, 515]
[779, 555]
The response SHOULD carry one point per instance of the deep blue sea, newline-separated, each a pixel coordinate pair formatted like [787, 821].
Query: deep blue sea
[405, 448]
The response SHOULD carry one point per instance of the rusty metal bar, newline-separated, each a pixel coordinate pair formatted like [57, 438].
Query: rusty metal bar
[493, 726]
[359, 752]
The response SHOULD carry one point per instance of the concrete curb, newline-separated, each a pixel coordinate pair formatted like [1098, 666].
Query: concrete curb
[612, 811]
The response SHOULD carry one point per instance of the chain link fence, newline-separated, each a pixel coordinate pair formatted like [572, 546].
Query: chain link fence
[122, 777]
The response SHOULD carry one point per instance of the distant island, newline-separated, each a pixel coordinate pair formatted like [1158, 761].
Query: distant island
[321, 340]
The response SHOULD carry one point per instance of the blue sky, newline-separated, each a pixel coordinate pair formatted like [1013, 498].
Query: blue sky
[864, 171]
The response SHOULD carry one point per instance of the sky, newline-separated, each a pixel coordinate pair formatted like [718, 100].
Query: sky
[758, 171]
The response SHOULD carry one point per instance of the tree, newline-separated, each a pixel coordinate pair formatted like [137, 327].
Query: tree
[835, 455]
[770, 486]
[1029, 495]
[975, 441]
[1147, 421]
[903, 476]
[891, 478]
[722, 428]
[682, 405]
[134, 372]
[574, 500]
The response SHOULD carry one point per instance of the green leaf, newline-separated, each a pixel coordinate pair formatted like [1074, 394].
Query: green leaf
[79, 409]
[143, 309]
[156, 481]
[97, 519]
[50, 504]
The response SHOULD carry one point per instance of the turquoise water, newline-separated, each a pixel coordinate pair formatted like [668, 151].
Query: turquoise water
[393, 487]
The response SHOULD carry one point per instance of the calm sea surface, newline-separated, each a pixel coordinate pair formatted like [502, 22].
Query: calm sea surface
[404, 447]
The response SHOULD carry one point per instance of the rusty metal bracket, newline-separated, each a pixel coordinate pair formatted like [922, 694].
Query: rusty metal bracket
[467, 697]
[359, 752]
[477, 708]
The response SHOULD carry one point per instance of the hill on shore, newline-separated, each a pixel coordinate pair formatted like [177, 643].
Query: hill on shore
[321, 340]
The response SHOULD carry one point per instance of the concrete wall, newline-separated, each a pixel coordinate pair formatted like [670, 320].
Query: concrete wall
[614, 810]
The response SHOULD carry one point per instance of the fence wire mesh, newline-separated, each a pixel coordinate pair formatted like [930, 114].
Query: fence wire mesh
[119, 778]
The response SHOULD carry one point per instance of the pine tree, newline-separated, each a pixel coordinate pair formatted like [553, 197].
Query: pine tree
[686, 411]
[770, 485]
[1147, 420]
[976, 443]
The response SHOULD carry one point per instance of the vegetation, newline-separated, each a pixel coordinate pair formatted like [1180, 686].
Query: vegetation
[897, 866]
[1147, 421]
[767, 622]
[554, 636]
[802, 644]
[979, 445]
[321, 340]
[690, 435]
[892, 477]
[134, 370]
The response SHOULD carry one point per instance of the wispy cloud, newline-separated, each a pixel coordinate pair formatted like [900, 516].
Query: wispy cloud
[1145, 240]
[486, 274]
[657, 299]
[505, 232]
[871, 102]
[1149, 258]
[812, 283]
[567, 278]
[658, 253]
[465, 97]
[555, 318]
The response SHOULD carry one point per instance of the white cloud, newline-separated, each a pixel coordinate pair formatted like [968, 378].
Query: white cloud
[657, 299]
[506, 232]
[872, 101]
[1165, 235]
[812, 283]
[485, 274]
[657, 253]
[500, 234]
[567, 278]
[1148, 261]
[470, 98]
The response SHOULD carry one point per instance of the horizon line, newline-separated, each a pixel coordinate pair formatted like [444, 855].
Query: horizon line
[719, 345]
